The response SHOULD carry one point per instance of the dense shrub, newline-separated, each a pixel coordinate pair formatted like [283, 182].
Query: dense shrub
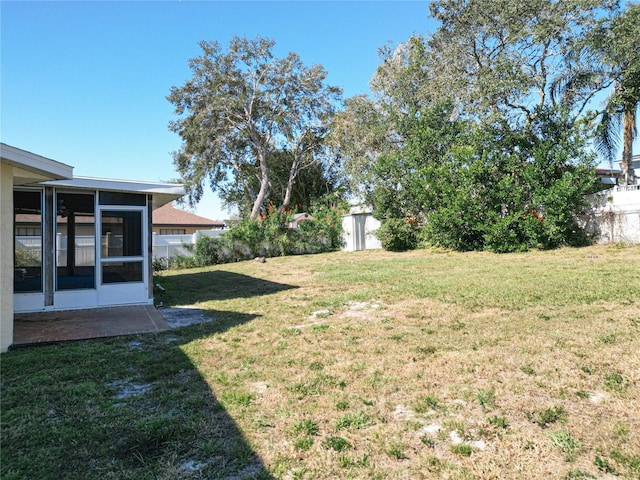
[397, 235]
[485, 187]
[268, 236]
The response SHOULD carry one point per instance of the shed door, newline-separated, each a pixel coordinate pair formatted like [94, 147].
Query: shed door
[359, 237]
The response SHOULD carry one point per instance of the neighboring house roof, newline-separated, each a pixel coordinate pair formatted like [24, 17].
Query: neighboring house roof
[298, 218]
[609, 176]
[169, 216]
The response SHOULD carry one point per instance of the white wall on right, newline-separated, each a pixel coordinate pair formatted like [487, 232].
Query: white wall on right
[615, 215]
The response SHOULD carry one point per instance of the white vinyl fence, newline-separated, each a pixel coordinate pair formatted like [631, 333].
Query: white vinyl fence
[85, 248]
[163, 246]
[168, 246]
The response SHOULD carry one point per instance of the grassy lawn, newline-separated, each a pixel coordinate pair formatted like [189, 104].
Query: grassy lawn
[351, 365]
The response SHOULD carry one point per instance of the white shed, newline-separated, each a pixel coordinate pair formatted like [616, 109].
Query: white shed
[359, 228]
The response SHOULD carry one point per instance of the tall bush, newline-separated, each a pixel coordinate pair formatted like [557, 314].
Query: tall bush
[487, 186]
[268, 236]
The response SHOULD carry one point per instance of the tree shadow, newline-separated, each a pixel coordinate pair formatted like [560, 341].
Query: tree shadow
[134, 406]
[203, 434]
[190, 288]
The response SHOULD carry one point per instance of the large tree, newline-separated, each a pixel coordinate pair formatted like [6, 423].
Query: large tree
[501, 58]
[468, 144]
[608, 57]
[312, 183]
[490, 60]
[243, 106]
[372, 126]
[617, 45]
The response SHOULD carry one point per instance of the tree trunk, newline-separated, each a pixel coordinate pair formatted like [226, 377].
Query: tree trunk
[293, 173]
[628, 128]
[264, 186]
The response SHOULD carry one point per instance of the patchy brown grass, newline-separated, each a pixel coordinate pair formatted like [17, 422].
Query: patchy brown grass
[365, 365]
[436, 364]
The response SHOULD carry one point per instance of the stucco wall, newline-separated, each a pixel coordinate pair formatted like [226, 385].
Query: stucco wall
[6, 256]
[615, 216]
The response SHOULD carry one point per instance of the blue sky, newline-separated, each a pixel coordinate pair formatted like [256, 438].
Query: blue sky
[85, 83]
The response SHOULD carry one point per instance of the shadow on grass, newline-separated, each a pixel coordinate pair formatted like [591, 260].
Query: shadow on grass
[190, 288]
[132, 407]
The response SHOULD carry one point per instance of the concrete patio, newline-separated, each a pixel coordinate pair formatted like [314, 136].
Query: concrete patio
[45, 327]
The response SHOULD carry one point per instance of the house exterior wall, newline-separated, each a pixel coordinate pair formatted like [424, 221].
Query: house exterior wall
[188, 229]
[6, 256]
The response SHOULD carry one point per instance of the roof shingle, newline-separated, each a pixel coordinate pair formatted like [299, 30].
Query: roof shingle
[168, 215]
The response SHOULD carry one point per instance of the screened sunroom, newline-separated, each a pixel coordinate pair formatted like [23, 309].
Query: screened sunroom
[77, 242]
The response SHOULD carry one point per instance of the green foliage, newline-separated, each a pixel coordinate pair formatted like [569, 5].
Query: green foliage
[397, 450]
[471, 60]
[614, 44]
[426, 403]
[25, 257]
[231, 146]
[490, 187]
[336, 443]
[236, 398]
[268, 236]
[207, 252]
[397, 235]
[498, 422]
[353, 420]
[565, 443]
[603, 464]
[306, 426]
[630, 461]
[576, 474]
[303, 443]
[549, 416]
[486, 398]
[469, 136]
[463, 449]
[528, 369]
[615, 382]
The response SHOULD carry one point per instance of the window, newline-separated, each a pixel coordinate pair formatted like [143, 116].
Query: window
[27, 219]
[75, 241]
[125, 199]
[173, 231]
[120, 272]
[28, 231]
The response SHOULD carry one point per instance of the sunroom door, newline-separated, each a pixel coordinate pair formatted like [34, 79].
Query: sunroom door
[75, 250]
[123, 272]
